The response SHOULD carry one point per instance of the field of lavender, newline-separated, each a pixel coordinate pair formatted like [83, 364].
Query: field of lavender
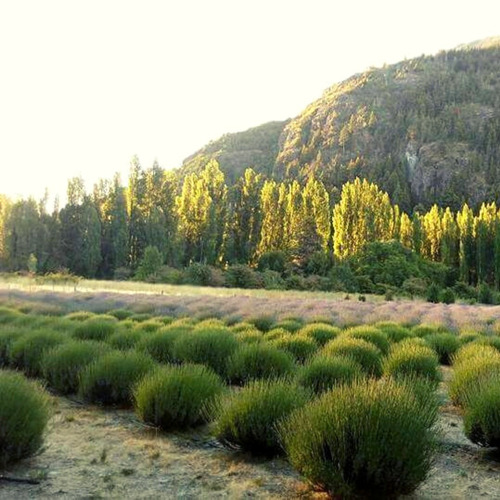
[282, 395]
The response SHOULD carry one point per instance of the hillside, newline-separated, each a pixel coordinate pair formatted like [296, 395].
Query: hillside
[426, 130]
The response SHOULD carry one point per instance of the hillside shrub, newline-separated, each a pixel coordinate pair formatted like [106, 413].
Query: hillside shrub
[482, 415]
[321, 373]
[62, 365]
[242, 276]
[211, 347]
[370, 334]
[263, 322]
[247, 419]
[361, 351]
[94, 329]
[411, 360]
[447, 296]
[110, 379]
[24, 414]
[394, 331]
[26, 352]
[150, 263]
[160, 345]
[124, 339]
[372, 439]
[272, 280]
[175, 397]
[433, 293]
[321, 333]
[273, 261]
[484, 294]
[258, 361]
[301, 348]
[473, 350]
[444, 345]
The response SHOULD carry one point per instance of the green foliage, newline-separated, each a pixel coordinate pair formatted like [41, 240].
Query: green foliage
[80, 315]
[150, 263]
[482, 415]
[291, 325]
[361, 351]
[26, 353]
[124, 339]
[424, 330]
[8, 335]
[242, 276]
[9, 315]
[62, 365]
[24, 414]
[322, 373]
[301, 348]
[140, 317]
[148, 326]
[444, 345]
[258, 361]
[473, 350]
[433, 293]
[175, 397]
[121, 314]
[247, 419]
[211, 347]
[371, 334]
[408, 359]
[110, 379]
[94, 329]
[273, 261]
[447, 296]
[321, 333]
[263, 322]
[335, 441]
[160, 345]
[484, 295]
[394, 331]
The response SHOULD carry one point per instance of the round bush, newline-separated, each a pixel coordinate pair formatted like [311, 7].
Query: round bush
[24, 414]
[277, 333]
[490, 340]
[423, 330]
[263, 323]
[321, 333]
[121, 314]
[291, 325]
[8, 315]
[211, 347]
[394, 331]
[140, 317]
[364, 353]
[469, 378]
[301, 348]
[370, 334]
[80, 315]
[110, 379]
[242, 326]
[471, 351]
[250, 336]
[323, 373]
[409, 359]
[482, 415]
[94, 329]
[8, 335]
[26, 353]
[467, 337]
[444, 345]
[247, 419]
[62, 365]
[175, 397]
[371, 439]
[124, 339]
[258, 361]
[160, 345]
[151, 325]
[210, 323]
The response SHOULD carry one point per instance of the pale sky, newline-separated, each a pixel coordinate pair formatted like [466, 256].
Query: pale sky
[85, 85]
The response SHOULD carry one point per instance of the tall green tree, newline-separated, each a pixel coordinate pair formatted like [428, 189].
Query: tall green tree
[465, 222]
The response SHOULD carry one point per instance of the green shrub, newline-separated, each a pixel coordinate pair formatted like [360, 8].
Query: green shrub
[250, 336]
[301, 348]
[140, 317]
[24, 414]
[447, 296]
[124, 339]
[484, 294]
[150, 263]
[26, 352]
[62, 365]
[291, 325]
[321, 333]
[258, 361]
[472, 351]
[394, 331]
[264, 323]
[490, 340]
[160, 345]
[444, 345]
[247, 419]
[370, 334]
[423, 330]
[9, 315]
[94, 329]
[469, 378]
[151, 325]
[433, 293]
[323, 373]
[372, 439]
[8, 335]
[242, 276]
[110, 379]
[277, 333]
[121, 314]
[361, 351]
[175, 397]
[80, 315]
[482, 415]
[210, 323]
[242, 326]
[211, 347]
[408, 359]
[467, 337]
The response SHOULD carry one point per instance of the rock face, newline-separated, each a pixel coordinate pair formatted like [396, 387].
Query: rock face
[425, 130]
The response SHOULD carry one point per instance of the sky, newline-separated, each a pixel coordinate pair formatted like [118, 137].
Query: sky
[87, 84]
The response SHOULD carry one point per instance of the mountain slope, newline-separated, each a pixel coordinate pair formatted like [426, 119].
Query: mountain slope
[426, 130]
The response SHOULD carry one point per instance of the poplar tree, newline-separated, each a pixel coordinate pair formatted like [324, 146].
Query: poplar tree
[465, 222]
[449, 239]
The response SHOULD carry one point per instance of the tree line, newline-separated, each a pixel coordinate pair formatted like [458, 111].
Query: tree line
[199, 219]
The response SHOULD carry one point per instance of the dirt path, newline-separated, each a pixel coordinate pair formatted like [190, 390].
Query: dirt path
[95, 453]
